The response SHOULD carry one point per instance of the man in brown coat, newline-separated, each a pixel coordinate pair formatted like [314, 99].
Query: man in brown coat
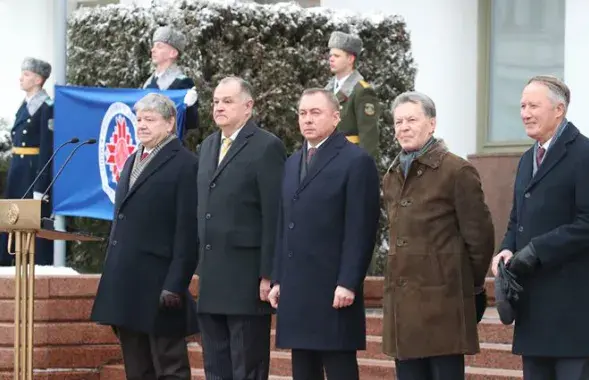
[442, 241]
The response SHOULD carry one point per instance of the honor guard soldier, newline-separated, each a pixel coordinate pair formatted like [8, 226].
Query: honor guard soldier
[32, 145]
[168, 44]
[359, 105]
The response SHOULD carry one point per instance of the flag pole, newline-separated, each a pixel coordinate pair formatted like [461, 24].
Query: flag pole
[60, 63]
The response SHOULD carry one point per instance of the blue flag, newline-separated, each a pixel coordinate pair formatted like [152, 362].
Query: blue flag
[86, 186]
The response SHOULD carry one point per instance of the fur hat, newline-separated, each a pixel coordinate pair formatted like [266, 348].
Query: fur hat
[37, 66]
[346, 42]
[171, 37]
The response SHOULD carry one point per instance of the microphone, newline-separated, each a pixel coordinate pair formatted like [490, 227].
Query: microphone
[87, 142]
[50, 160]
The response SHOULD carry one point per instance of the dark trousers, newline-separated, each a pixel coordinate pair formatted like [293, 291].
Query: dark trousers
[338, 365]
[541, 368]
[148, 357]
[450, 367]
[235, 347]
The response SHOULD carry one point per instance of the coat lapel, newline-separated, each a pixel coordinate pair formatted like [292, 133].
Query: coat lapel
[240, 142]
[123, 184]
[21, 115]
[324, 155]
[163, 156]
[213, 155]
[555, 153]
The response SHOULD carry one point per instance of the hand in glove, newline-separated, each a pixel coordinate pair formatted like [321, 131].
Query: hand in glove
[191, 97]
[39, 196]
[170, 300]
[523, 262]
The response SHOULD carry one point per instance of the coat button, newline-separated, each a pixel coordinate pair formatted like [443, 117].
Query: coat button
[23, 144]
[419, 172]
[24, 132]
[405, 203]
[401, 242]
[13, 133]
[291, 225]
[28, 120]
[289, 253]
[295, 198]
[527, 195]
[207, 216]
[520, 229]
[208, 247]
[212, 185]
[121, 216]
[114, 242]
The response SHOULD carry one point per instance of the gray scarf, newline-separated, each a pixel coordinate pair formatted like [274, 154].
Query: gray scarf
[406, 158]
[139, 165]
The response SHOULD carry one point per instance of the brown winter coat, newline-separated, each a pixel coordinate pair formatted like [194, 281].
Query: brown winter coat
[441, 244]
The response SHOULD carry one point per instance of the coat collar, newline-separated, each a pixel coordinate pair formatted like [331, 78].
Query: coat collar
[327, 152]
[432, 158]
[166, 78]
[555, 153]
[347, 88]
[163, 156]
[249, 129]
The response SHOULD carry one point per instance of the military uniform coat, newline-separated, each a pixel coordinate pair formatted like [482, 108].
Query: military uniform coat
[152, 246]
[237, 214]
[551, 210]
[32, 135]
[327, 231]
[360, 111]
[174, 79]
[441, 241]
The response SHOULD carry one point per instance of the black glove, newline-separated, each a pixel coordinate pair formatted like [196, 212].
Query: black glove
[523, 262]
[170, 300]
[480, 301]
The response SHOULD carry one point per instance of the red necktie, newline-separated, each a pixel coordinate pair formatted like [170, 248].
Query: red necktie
[143, 155]
[540, 155]
[310, 153]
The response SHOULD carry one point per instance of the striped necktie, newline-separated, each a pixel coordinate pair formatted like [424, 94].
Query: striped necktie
[225, 145]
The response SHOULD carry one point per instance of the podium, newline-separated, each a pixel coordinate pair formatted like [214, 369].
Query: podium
[21, 219]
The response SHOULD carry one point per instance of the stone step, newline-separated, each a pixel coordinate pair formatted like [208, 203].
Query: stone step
[370, 369]
[72, 356]
[59, 374]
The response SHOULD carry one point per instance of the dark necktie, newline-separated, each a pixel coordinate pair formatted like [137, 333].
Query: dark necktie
[144, 155]
[310, 153]
[540, 155]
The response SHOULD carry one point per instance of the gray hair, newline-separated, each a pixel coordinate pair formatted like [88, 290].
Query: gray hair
[329, 95]
[158, 103]
[558, 91]
[246, 89]
[427, 104]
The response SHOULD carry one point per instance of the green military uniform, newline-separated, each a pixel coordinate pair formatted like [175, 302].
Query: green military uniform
[360, 111]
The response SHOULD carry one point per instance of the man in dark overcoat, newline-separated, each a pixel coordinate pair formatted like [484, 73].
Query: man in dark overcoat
[327, 230]
[32, 146]
[239, 176]
[547, 240]
[152, 250]
[168, 44]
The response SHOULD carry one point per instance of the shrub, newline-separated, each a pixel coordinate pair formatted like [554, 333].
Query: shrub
[280, 49]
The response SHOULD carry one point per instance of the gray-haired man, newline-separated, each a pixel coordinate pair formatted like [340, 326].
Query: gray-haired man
[153, 250]
[168, 45]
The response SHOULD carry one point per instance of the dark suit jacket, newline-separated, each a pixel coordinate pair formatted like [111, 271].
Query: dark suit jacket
[152, 246]
[237, 213]
[326, 236]
[551, 210]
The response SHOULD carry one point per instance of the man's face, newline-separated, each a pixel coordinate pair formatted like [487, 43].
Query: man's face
[29, 80]
[317, 118]
[162, 52]
[152, 128]
[230, 106]
[412, 127]
[539, 113]
[340, 60]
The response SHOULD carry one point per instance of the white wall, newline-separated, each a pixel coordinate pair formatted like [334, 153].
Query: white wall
[26, 30]
[445, 48]
[576, 63]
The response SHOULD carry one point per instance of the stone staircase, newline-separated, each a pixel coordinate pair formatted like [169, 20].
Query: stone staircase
[69, 347]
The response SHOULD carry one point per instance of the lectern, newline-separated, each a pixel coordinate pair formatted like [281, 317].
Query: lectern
[21, 219]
